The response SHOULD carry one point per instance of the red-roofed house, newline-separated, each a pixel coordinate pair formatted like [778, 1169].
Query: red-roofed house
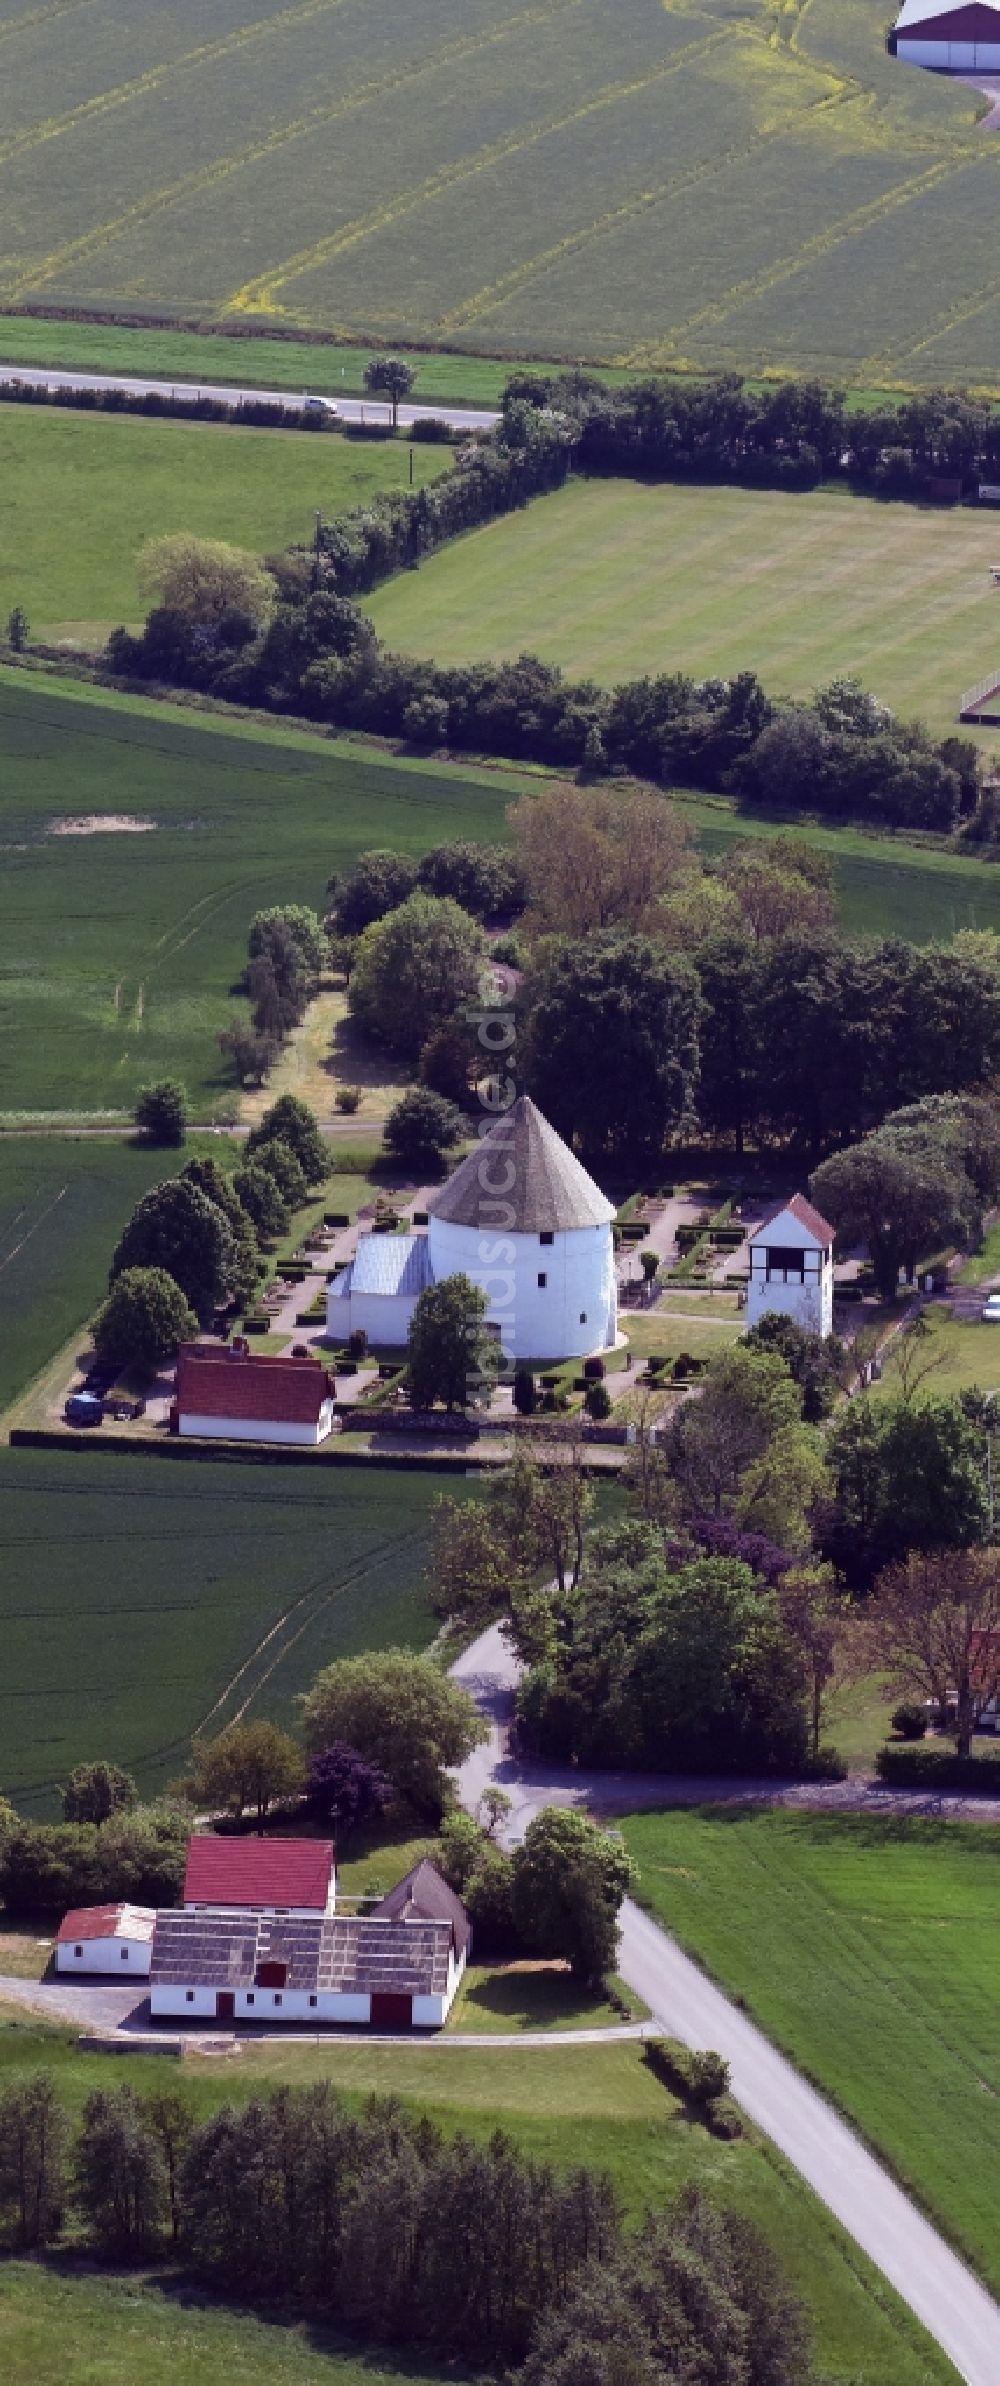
[106, 1938]
[791, 1267]
[233, 1395]
[270, 1876]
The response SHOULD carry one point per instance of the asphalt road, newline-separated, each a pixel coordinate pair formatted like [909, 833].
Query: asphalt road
[351, 410]
[955, 2310]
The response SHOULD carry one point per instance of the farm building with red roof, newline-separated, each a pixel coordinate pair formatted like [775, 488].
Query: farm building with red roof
[106, 1938]
[233, 1394]
[273, 1876]
[791, 1267]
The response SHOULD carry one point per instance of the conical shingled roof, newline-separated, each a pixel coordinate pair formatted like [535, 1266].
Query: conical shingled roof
[522, 1179]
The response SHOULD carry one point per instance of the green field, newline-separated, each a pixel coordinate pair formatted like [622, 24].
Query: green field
[868, 1948]
[63, 1205]
[118, 953]
[80, 492]
[255, 361]
[570, 2105]
[141, 1600]
[687, 184]
[611, 579]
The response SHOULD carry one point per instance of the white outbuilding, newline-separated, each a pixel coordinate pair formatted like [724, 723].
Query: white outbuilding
[963, 40]
[524, 1220]
[108, 1940]
[791, 1267]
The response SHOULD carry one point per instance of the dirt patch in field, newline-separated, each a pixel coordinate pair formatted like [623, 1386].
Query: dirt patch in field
[100, 824]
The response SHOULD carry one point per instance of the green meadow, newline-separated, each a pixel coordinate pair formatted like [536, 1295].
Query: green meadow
[143, 1599]
[867, 1947]
[79, 493]
[569, 2105]
[612, 579]
[694, 185]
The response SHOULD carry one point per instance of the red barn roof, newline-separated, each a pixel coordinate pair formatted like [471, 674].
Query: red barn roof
[258, 1872]
[256, 1390]
[802, 1210]
[107, 1922]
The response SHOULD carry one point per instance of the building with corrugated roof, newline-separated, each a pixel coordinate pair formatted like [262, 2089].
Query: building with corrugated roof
[110, 1940]
[964, 40]
[523, 1219]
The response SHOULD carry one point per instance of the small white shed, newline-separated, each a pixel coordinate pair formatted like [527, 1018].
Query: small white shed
[791, 1267]
[108, 1939]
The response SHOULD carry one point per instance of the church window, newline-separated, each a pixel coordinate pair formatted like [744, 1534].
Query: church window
[542, 1282]
[583, 1317]
[546, 1238]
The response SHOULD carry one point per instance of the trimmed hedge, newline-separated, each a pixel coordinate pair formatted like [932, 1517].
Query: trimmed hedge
[938, 1769]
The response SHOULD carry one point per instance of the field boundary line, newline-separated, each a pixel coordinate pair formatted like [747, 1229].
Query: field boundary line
[200, 179]
[43, 16]
[40, 1221]
[257, 296]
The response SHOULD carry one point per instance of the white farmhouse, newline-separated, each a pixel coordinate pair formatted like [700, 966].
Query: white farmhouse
[791, 1267]
[232, 1394]
[106, 1939]
[523, 1219]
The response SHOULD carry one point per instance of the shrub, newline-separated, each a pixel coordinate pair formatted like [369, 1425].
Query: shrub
[161, 1112]
[598, 1402]
[348, 1099]
[938, 1769]
[525, 1396]
[909, 1721]
[357, 1343]
[594, 1370]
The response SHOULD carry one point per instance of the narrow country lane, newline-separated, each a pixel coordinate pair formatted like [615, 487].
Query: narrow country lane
[945, 2296]
[351, 410]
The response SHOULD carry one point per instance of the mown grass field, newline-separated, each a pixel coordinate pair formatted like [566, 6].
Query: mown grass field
[140, 1599]
[569, 2105]
[611, 579]
[868, 1948]
[119, 953]
[80, 492]
[645, 184]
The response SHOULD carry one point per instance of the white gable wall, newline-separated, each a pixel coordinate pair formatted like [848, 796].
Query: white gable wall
[129, 1958]
[808, 1299]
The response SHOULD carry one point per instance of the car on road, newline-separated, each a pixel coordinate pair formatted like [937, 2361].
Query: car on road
[990, 1311]
[311, 405]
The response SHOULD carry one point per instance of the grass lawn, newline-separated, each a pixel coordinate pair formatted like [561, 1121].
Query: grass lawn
[984, 1264]
[331, 368]
[328, 1051]
[964, 1355]
[120, 953]
[531, 1996]
[143, 1599]
[611, 579]
[565, 2105]
[868, 1948]
[659, 1335]
[80, 492]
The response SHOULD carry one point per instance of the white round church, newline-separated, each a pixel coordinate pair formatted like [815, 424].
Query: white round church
[523, 1220]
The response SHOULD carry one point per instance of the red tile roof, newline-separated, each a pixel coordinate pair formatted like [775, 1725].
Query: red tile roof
[802, 1210]
[229, 1383]
[107, 1922]
[258, 1872]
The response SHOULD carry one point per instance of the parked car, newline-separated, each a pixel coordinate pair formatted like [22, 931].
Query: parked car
[990, 1312]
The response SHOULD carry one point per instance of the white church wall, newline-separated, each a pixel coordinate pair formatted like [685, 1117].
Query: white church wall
[569, 1314]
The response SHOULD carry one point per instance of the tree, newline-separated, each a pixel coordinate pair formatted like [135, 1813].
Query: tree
[247, 1765]
[209, 1179]
[934, 1626]
[262, 1198]
[161, 1112]
[205, 580]
[525, 1394]
[94, 1792]
[569, 1881]
[451, 1356]
[781, 1491]
[281, 1163]
[121, 2183]
[401, 1713]
[307, 934]
[290, 1121]
[177, 1228]
[414, 969]
[612, 1043]
[818, 1364]
[252, 1054]
[345, 1788]
[143, 1320]
[907, 1475]
[394, 375]
[817, 1618]
[469, 1569]
[777, 889]
[422, 1128]
[597, 858]
[748, 1398]
[18, 629]
[34, 2135]
[379, 882]
[169, 2117]
[902, 1205]
[486, 880]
